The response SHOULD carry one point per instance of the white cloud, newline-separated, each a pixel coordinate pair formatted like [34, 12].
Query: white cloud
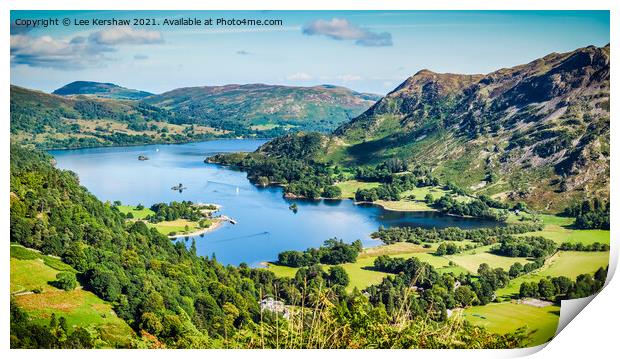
[342, 29]
[45, 51]
[299, 76]
[126, 35]
[77, 52]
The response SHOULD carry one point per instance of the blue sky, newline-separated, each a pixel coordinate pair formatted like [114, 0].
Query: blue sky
[365, 51]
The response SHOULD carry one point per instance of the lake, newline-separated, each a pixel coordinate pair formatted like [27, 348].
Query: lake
[265, 224]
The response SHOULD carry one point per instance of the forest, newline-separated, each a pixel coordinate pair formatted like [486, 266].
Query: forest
[333, 251]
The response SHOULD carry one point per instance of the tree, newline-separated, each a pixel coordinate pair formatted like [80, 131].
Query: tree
[464, 296]
[441, 250]
[104, 283]
[546, 289]
[515, 270]
[332, 192]
[337, 275]
[65, 281]
[150, 323]
[528, 290]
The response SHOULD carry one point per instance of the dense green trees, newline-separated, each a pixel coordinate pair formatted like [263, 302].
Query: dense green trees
[592, 247]
[518, 269]
[175, 210]
[558, 288]
[437, 292]
[526, 246]
[333, 251]
[139, 270]
[395, 184]
[590, 214]
[300, 178]
[419, 235]
[474, 208]
[447, 249]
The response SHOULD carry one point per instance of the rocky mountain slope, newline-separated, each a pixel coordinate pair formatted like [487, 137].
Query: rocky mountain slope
[537, 132]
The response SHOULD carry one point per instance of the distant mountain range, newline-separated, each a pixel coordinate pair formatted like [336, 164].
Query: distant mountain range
[102, 90]
[264, 107]
[58, 119]
[535, 132]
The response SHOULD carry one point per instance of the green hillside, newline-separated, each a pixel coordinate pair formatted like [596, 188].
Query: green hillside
[53, 121]
[537, 133]
[259, 107]
[99, 89]
[92, 114]
[32, 275]
[173, 298]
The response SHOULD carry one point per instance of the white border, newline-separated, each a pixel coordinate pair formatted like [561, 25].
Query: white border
[591, 334]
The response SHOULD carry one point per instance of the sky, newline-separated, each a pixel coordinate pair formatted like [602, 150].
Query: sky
[365, 51]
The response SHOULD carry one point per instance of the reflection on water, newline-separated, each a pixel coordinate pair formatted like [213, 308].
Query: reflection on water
[265, 225]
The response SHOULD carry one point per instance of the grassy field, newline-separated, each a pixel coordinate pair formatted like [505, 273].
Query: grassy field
[164, 227]
[29, 272]
[566, 263]
[417, 202]
[349, 188]
[507, 317]
[360, 272]
[137, 213]
[558, 230]
[471, 260]
[560, 234]
[176, 226]
[405, 204]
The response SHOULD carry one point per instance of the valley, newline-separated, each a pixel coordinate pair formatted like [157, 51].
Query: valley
[470, 204]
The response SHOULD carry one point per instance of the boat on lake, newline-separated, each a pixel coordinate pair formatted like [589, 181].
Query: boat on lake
[179, 187]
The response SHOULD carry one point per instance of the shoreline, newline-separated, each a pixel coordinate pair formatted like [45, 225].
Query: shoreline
[387, 208]
[217, 223]
[153, 143]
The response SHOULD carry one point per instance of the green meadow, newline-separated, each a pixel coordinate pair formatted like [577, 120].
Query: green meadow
[361, 274]
[349, 188]
[31, 273]
[471, 261]
[137, 213]
[177, 226]
[508, 316]
[564, 263]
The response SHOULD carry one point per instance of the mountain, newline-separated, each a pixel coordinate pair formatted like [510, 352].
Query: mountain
[537, 132]
[259, 107]
[100, 89]
[53, 121]
[89, 114]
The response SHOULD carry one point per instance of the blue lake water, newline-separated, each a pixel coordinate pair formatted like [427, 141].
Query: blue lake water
[265, 224]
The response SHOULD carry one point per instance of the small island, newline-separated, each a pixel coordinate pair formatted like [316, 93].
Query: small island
[176, 219]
